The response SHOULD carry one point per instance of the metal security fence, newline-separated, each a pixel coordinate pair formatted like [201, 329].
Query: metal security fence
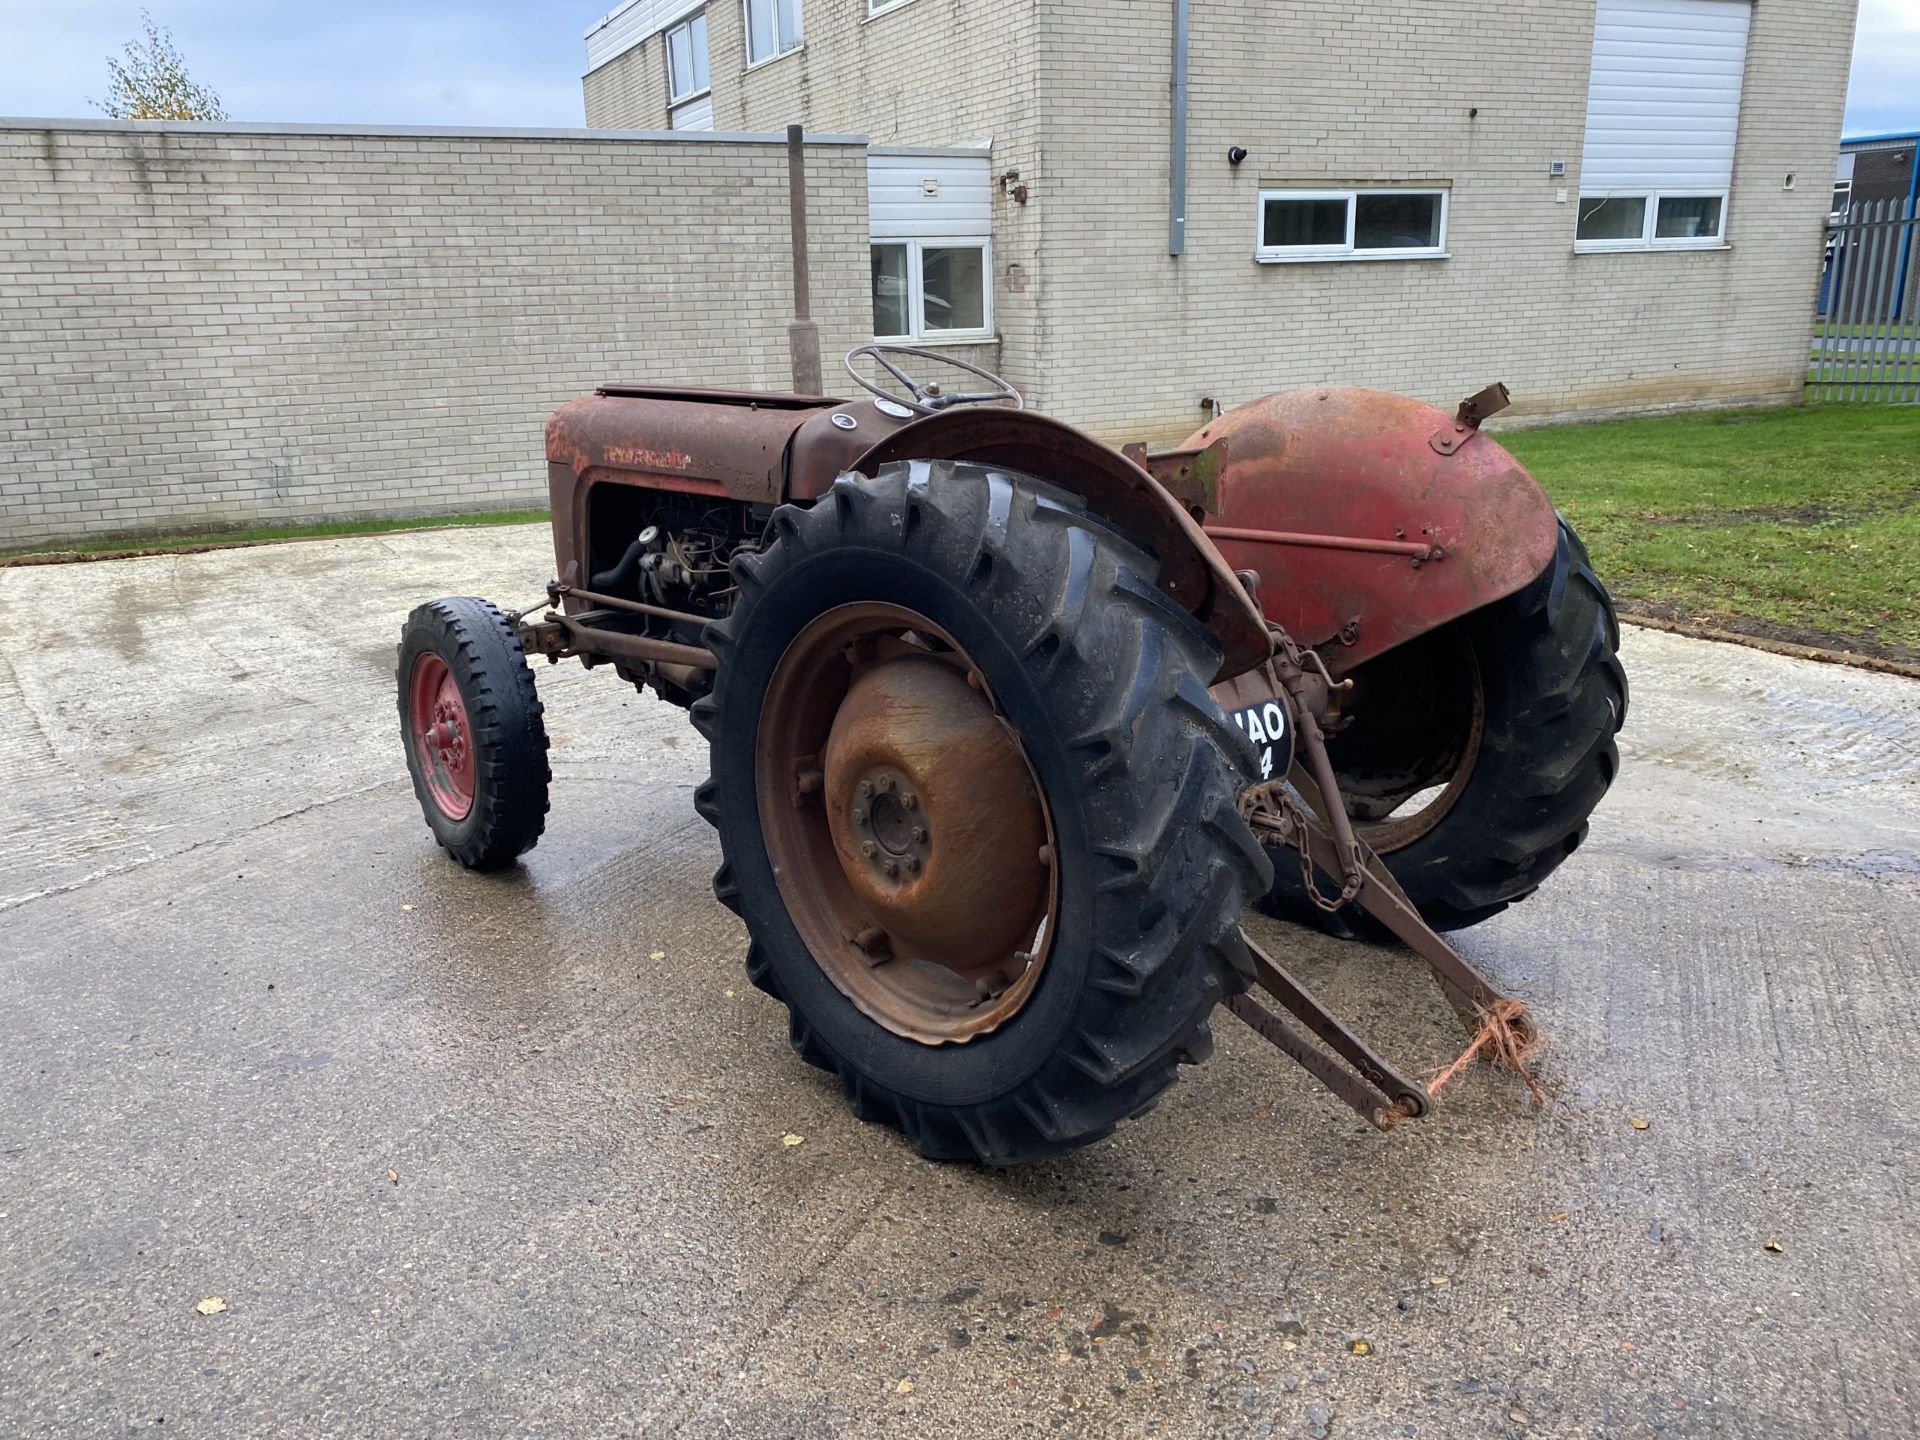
[1866, 340]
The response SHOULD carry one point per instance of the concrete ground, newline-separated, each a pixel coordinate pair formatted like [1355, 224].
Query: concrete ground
[504, 1156]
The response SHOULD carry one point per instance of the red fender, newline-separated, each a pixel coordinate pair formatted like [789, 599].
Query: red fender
[1371, 518]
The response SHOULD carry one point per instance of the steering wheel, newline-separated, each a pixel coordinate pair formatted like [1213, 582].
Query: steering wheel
[927, 399]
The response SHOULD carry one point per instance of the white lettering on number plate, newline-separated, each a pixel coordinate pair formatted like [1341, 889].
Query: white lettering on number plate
[1266, 726]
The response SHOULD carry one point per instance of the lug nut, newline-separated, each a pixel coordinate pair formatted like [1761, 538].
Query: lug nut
[919, 835]
[886, 784]
[866, 789]
[892, 867]
[909, 800]
[913, 864]
[869, 849]
[859, 817]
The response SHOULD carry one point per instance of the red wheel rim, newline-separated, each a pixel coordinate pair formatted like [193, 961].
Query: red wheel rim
[442, 736]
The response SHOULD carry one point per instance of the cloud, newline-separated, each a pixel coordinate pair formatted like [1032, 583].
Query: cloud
[498, 62]
[485, 62]
[1885, 91]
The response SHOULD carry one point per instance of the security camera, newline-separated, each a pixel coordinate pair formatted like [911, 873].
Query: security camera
[1236, 154]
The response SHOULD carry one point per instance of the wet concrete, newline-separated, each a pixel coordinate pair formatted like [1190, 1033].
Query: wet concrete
[474, 1156]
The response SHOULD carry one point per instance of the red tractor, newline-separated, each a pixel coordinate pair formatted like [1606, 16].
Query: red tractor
[1008, 727]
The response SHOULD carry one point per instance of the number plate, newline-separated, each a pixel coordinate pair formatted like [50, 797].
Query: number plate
[1266, 726]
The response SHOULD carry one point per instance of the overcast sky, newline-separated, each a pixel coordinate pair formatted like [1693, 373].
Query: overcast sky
[494, 62]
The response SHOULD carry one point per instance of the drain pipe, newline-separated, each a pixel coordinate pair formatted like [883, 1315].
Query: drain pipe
[1177, 138]
[803, 336]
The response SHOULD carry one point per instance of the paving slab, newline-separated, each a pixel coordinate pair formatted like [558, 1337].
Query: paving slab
[504, 1155]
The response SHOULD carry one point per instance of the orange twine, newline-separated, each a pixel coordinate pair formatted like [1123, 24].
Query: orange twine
[1508, 1040]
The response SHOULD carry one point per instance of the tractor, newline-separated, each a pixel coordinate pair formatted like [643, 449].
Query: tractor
[1007, 728]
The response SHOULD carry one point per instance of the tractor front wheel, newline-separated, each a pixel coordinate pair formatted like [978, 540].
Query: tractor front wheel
[474, 730]
[976, 807]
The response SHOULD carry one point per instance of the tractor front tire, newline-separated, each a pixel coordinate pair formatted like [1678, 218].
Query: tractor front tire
[972, 645]
[475, 732]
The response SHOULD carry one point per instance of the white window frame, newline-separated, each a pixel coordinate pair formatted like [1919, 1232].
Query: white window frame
[918, 330]
[1301, 254]
[881, 7]
[677, 98]
[746, 30]
[1647, 240]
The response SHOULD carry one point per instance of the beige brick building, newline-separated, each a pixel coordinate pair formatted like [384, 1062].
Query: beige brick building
[1610, 204]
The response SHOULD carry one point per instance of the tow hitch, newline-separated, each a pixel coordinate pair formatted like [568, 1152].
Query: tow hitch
[1302, 811]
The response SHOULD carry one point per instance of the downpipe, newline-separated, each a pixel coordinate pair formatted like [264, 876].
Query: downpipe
[1177, 130]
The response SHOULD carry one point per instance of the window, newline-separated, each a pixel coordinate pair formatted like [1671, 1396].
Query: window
[773, 28]
[689, 96]
[687, 59]
[929, 217]
[931, 289]
[1352, 225]
[1650, 222]
[1663, 112]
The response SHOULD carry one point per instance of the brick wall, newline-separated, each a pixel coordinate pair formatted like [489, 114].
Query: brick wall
[221, 325]
[629, 92]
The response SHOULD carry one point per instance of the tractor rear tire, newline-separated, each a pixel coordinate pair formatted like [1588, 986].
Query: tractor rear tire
[475, 732]
[1541, 671]
[1056, 623]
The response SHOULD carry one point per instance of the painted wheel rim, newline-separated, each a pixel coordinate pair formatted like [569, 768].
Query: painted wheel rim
[908, 833]
[442, 735]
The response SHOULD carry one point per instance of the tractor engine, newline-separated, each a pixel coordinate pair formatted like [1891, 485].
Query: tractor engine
[669, 551]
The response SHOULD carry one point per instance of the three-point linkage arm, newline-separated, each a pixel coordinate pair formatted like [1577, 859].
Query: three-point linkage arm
[1304, 812]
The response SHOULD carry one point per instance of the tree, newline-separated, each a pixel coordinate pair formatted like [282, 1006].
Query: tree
[152, 82]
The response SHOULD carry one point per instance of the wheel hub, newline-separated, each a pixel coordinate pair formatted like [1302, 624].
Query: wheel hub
[886, 818]
[933, 815]
[907, 833]
[438, 718]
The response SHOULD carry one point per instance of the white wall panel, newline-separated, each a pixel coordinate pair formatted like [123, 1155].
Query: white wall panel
[899, 207]
[1663, 107]
[694, 115]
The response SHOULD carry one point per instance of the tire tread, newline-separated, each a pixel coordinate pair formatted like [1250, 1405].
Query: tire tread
[1120, 669]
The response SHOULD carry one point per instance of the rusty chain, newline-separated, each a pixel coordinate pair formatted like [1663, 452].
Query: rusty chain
[1273, 808]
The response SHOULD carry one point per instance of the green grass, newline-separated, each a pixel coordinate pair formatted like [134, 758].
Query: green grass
[216, 539]
[1869, 379]
[1800, 523]
[1867, 329]
[1908, 329]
